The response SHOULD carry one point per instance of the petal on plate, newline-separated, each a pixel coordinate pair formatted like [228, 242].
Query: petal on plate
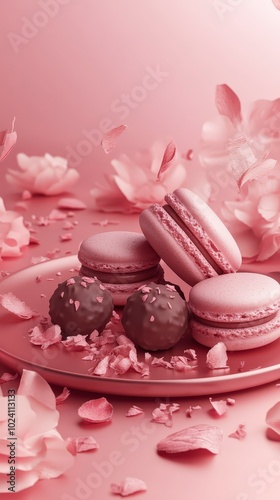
[16, 306]
[201, 436]
[217, 356]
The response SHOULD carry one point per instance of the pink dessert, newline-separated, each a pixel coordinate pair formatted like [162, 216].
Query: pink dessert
[155, 317]
[80, 305]
[122, 260]
[190, 237]
[242, 310]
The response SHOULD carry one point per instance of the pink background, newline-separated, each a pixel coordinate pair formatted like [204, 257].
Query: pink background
[67, 64]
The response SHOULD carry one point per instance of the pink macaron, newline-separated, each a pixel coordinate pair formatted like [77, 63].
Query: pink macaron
[190, 237]
[122, 260]
[241, 310]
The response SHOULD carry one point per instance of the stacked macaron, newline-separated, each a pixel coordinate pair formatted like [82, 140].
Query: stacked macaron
[239, 309]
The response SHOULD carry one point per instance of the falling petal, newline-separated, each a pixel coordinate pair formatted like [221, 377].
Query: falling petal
[228, 103]
[16, 306]
[168, 156]
[110, 138]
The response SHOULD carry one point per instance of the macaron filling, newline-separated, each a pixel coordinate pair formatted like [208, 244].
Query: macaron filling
[171, 212]
[235, 324]
[122, 278]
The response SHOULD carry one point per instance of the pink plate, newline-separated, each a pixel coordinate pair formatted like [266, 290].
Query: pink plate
[57, 366]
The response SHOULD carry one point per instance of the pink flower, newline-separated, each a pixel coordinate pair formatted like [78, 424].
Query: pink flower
[48, 175]
[134, 185]
[13, 233]
[241, 157]
[39, 452]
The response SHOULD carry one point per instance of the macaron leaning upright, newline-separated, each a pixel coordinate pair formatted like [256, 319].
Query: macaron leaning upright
[190, 238]
[122, 260]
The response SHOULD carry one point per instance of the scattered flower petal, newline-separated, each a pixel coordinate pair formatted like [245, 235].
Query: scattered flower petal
[190, 409]
[16, 306]
[128, 486]
[45, 338]
[7, 377]
[240, 432]
[133, 411]
[168, 156]
[75, 343]
[63, 396]
[220, 407]
[57, 215]
[96, 411]
[201, 436]
[276, 3]
[216, 357]
[81, 444]
[272, 418]
[71, 203]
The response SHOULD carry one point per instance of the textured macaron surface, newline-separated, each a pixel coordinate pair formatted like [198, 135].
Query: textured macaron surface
[237, 297]
[207, 228]
[117, 251]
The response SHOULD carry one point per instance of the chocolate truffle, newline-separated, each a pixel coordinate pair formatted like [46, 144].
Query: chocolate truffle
[155, 317]
[80, 305]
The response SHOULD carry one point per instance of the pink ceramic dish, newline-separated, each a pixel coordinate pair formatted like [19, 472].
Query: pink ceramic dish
[242, 310]
[122, 260]
[190, 237]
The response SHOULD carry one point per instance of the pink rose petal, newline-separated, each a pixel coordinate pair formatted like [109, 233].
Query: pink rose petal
[7, 141]
[133, 411]
[96, 411]
[75, 343]
[128, 486]
[228, 103]
[220, 407]
[71, 203]
[216, 357]
[66, 237]
[272, 418]
[81, 444]
[110, 138]
[168, 156]
[57, 215]
[16, 306]
[201, 436]
[190, 409]
[63, 396]
[240, 432]
[7, 377]
[163, 414]
[276, 3]
[45, 338]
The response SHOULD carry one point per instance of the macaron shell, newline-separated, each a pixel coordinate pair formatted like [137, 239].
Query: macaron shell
[117, 251]
[238, 339]
[174, 246]
[207, 228]
[235, 297]
[121, 292]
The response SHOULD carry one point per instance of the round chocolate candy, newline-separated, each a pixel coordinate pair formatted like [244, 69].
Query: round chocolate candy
[155, 317]
[80, 305]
